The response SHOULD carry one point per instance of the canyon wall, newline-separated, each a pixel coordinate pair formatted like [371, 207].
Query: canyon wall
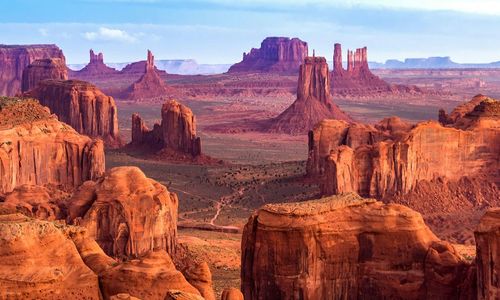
[346, 247]
[177, 131]
[83, 106]
[276, 55]
[314, 101]
[15, 58]
[37, 149]
[488, 255]
[42, 69]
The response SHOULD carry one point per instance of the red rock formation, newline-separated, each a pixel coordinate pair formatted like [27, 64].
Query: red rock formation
[33, 201]
[37, 261]
[177, 131]
[314, 102]
[358, 80]
[276, 55]
[347, 248]
[37, 149]
[15, 58]
[232, 294]
[150, 85]
[42, 69]
[127, 213]
[151, 277]
[95, 67]
[83, 106]
[488, 255]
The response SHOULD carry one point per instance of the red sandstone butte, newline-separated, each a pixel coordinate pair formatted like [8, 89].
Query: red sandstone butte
[95, 67]
[150, 86]
[346, 247]
[177, 131]
[37, 149]
[275, 55]
[83, 106]
[314, 102]
[42, 69]
[15, 58]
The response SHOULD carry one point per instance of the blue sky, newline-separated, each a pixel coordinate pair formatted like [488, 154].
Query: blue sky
[218, 31]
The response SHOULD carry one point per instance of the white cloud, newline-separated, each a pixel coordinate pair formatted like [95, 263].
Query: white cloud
[109, 34]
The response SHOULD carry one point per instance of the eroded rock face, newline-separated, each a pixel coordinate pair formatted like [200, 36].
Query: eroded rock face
[42, 69]
[37, 261]
[177, 131]
[15, 58]
[37, 149]
[150, 277]
[314, 102]
[127, 213]
[96, 67]
[83, 106]
[346, 247]
[276, 55]
[232, 294]
[33, 201]
[150, 85]
[488, 255]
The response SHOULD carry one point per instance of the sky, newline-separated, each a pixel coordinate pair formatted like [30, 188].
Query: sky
[219, 31]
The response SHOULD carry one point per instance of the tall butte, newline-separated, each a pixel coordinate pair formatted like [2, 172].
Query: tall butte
[95, 67]
[150, 85]
[314, 101]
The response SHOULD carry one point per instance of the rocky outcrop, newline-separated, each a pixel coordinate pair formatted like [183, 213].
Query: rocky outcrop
[314, 102]
[176, 132]
[357, 80]
[15, 58]
[37, 261]
[42, 69]
[275, 55]
[346, 247]
[488, 255]
[37, 149]
[83, 106]
[151, 277]
[33, 201]
[150, 86]
[127, 213]
[232, 294]
[95, 67]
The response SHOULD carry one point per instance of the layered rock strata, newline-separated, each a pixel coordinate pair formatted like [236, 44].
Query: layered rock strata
[275, 55]
[37, 149]
[314, 101]
[83, 106]
[15, 58]
[43, 69]
[347, 248]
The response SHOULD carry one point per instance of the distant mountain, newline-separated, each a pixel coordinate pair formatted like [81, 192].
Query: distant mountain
[173, 66]
[437, 62]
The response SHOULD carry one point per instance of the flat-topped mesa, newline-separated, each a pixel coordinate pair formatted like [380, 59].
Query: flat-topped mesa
[275, 55]
[83, 106]
[314, 101]
[346, 247]
[96, 67]
[15, 58]
[176, 132]
[150, 86]
[37, 149]
[42, 69]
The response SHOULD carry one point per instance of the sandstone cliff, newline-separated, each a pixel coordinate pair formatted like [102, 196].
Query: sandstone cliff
[276, 55]
[488, 255]
[83, 106]
[15, 58]
[150, 86]
[347, 248]
[42, 69]
[176, 132]
[127, 213]
[37, 261]
[37, 149]
[314, 102]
